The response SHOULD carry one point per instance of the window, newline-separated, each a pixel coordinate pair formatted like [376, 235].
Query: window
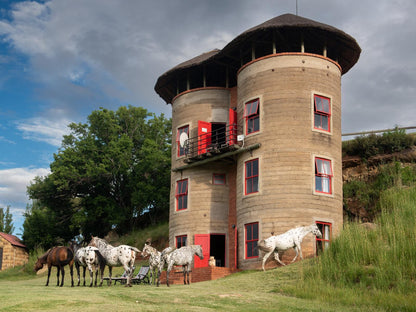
[251, 114]
[182, 194]
[218, 179]
[180, 241]
[252, 176]
[323, 176]
[322, 113]
[323, 242]
[252, 237]
[183, 134]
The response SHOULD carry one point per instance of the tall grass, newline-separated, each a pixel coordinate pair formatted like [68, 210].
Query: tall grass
[379, 261]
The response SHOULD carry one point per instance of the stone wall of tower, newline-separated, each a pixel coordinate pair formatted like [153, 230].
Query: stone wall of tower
[207, 210]
[285, 85]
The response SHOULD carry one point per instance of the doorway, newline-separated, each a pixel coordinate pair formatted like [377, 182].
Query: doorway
[217, 249]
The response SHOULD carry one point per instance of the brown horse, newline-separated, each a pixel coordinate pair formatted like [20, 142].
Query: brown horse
[57, 256]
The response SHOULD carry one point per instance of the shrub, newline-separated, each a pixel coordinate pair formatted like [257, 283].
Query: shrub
[371, 145]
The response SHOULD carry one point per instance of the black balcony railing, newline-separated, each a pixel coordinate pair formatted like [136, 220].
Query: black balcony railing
[212, 143]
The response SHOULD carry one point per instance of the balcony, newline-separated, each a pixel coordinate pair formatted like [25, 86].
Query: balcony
[209, 144]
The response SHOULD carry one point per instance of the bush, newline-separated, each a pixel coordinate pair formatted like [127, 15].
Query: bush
[371, 145]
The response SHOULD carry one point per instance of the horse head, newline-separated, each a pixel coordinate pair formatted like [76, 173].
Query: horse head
[198, 252]
[38, 265]
[94, 241]
[146, 250]
[315, 230]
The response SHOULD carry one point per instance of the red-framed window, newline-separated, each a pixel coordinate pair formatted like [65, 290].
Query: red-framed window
[182, 194]
[252, 176]
[323, 242]
[180, 141]
[181, 241]
[252, 116]
[322, 113]
[218, 179]
[251, 239]
[323, 175]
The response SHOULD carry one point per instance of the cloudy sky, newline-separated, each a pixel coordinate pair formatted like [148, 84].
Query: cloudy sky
[60, 60]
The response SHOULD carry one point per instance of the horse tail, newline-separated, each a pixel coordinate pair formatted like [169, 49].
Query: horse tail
[135, 249]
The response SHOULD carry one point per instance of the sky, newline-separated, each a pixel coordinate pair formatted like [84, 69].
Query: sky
[60, 60]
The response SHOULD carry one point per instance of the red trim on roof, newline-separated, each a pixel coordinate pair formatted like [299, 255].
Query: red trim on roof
[12, 240]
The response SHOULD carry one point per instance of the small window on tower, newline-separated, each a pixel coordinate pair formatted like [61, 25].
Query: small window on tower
[322, 113]
[218, 179]
[252, 116]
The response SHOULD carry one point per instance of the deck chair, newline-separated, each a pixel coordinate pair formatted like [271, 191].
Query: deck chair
[122, 278]
[142, 276]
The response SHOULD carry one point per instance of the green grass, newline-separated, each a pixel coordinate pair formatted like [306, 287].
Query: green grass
[375, 267]
[245, 291]
[363, 270]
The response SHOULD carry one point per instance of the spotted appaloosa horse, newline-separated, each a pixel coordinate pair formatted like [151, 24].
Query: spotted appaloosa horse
[290, 239]
[156, 263]
[183, 256]
[58, 256]
[88, 257]
[122, 255]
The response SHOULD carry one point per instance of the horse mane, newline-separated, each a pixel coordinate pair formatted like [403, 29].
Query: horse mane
[45, 255]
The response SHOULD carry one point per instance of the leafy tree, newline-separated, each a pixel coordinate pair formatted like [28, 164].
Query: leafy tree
[6, 221]
[40, 228]
[111, 173]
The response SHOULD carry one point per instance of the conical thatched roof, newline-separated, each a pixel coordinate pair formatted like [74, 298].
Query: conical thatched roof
[287, 30]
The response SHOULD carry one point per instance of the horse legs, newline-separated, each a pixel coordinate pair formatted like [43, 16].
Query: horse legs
[167, 272]
[265, 257]
[96, 276]
[78, 274]
[62, 277]
[276, 257]
[58, 269]
[184, 275]
[110, 270]
[83, 274]
[102, 268]
[158, 278]
[71, 272]
[49, 274]
[298, 251]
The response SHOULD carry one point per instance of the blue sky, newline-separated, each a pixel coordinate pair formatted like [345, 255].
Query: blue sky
[60, 60]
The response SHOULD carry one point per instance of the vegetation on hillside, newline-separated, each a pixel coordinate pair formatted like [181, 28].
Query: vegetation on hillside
[366, 193]
[371, 145]
[366, 261]
[112, 173]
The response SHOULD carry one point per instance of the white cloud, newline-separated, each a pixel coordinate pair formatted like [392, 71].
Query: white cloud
[13, 185]
[44, 130]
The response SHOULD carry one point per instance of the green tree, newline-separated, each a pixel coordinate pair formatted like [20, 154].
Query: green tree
[111, 173]
[6, 221]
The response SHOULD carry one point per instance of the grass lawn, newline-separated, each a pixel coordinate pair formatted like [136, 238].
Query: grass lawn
[245, 291]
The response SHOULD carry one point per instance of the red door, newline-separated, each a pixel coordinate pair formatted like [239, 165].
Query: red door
[232, 127]
[203, 240]
[204, 136]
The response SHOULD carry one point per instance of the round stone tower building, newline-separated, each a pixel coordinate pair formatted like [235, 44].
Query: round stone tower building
[256, 140]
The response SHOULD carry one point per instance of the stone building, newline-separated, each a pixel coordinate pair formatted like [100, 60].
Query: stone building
[256, 139]
[12, 252]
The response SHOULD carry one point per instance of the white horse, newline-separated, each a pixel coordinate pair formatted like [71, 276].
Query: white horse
[122, 255]
[290, 239]
[79, 260]
[95, 262]
[183, 256]
[156, 263]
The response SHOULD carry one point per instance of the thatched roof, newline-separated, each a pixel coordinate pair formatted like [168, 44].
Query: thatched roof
[287, 30]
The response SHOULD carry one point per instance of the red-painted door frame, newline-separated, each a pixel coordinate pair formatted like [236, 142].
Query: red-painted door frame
[204, 241]
[204, 136]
